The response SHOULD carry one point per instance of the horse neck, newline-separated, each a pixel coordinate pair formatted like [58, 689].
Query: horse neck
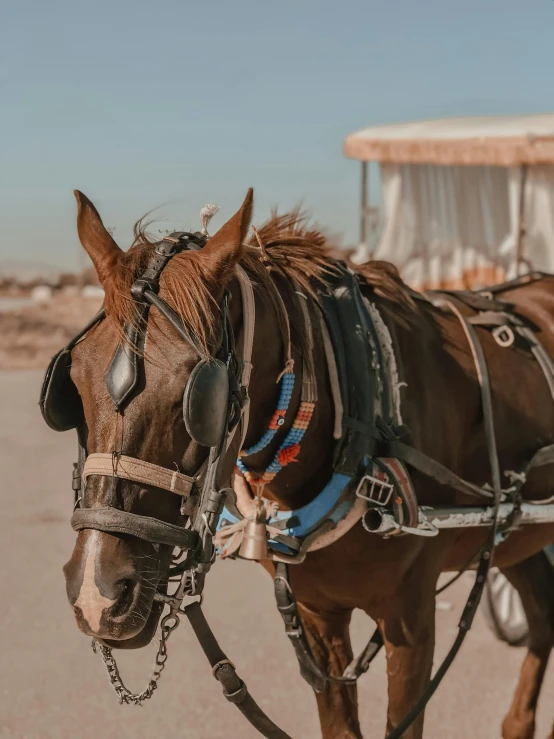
[300, 481]
[434, 367]
[440, 401]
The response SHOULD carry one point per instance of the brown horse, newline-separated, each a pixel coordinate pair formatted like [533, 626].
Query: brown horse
[112, 578]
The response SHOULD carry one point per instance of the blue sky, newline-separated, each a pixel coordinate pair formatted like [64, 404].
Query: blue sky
[174, 103]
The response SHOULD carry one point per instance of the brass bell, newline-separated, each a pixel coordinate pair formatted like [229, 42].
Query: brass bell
[254, 541]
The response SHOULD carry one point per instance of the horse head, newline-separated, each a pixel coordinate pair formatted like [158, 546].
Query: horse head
[158, 402]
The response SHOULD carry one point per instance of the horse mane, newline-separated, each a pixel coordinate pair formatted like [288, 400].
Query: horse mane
[292, 249]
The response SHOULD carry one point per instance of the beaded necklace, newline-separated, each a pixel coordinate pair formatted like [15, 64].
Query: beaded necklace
[290, 448]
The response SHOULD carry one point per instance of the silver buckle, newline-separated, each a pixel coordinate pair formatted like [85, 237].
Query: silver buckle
[380, 491]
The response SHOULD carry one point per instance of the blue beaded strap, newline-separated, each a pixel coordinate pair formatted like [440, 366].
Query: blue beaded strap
[277, 420]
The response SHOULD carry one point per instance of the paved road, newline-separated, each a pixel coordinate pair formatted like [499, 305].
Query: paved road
[53, 687]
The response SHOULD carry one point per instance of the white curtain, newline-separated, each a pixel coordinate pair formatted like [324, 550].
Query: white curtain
[444, 226]
[538, 240]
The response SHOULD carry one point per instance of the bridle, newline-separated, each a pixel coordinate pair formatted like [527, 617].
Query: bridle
[215, 407]
[213, 403]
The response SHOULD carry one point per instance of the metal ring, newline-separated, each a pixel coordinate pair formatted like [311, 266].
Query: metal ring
[165, 619]
[199, 600]
[503, 335]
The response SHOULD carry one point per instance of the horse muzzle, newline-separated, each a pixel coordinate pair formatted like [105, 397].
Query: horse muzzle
[111, 585]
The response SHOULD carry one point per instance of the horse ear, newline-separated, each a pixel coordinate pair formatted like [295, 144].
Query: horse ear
[226, 247]
[94, 237]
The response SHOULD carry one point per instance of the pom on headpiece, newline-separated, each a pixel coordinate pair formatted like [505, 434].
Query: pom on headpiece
[207, 212]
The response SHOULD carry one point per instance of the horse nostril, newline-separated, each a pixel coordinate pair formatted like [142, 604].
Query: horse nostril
[125, 598]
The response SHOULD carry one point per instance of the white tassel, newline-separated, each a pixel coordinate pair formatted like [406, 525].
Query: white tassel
[207, 212]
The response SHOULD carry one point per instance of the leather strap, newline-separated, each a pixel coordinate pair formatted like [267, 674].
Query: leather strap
[542, 457]
[430, 467]
[175, 320]
[492, 318]
[495, 318]
[93, 321]
[113, 521]
[540, 354]
[249, 325]
[137, 470]
[234, 689]
[309, 669]
[333, 377]
[487, 551]
[248, 322]
[484, 384]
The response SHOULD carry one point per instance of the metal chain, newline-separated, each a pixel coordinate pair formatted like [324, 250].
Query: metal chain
[168, 624]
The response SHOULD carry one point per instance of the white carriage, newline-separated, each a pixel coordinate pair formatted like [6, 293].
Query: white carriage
[463, 203]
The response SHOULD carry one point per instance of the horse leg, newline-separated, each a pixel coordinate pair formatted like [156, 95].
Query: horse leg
[533, 579]
[409, 636]
[329, 638]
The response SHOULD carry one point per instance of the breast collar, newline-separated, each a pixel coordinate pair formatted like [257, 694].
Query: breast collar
[364, 385]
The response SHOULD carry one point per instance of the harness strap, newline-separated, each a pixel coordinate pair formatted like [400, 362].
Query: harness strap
[309, 669]
[234, 689]
[286, 601]
[284, 323]
[249, 322]
[542, 457]
[540, 354]
[114, 521]
[137, 470]
[175, 320]
[502, 318]
[249, 325]
[430, 467]
[492, 318]
[93, 321]
[487, 551]
[484, 384]
[333, 377]
[309, 383]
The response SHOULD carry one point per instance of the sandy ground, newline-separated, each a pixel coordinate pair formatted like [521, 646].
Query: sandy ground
[31, 334]
[53, 687]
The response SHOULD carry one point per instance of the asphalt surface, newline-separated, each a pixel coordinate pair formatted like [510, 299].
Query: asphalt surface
[52, 685]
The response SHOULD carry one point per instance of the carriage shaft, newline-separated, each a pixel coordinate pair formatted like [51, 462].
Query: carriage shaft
[455, 517]
[459, 517]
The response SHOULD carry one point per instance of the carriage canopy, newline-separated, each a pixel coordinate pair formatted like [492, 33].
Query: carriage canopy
[465, 201]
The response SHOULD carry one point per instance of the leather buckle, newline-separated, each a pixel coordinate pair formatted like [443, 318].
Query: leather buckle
[220, 664]
[76, 477]
[140, 286]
